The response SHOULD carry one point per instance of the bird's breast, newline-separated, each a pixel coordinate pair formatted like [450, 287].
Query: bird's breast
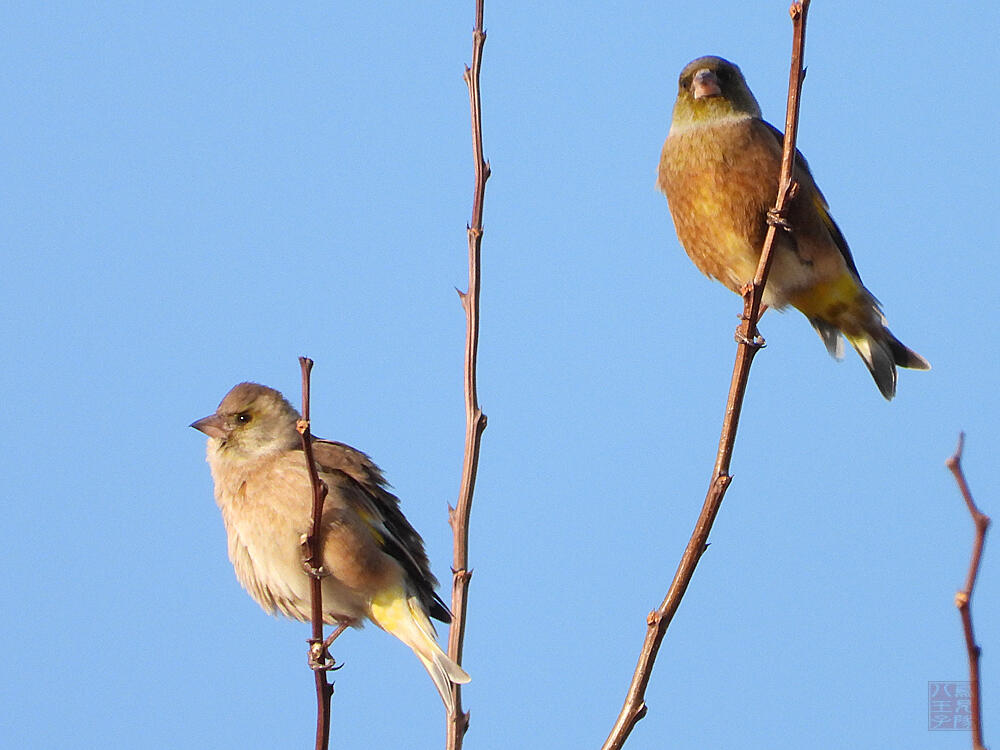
[720, 182]
[266, 511]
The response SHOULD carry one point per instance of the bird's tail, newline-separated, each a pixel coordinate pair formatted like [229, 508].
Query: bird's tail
[404, 616]
[862, 323]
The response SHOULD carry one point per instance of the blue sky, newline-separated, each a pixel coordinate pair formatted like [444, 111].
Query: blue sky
[196, 195]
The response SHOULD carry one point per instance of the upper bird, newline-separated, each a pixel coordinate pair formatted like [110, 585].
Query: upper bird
[719, 169]
[375, 559]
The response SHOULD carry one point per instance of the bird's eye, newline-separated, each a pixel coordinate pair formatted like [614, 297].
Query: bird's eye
[243, 418]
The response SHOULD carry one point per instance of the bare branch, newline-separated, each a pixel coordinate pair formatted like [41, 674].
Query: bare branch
[319, 658]
[475, 420]
[458, 517]
[963, 598]
[750, 342]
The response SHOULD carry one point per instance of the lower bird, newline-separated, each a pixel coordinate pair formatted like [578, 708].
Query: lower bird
[719, 169]
[374, 559]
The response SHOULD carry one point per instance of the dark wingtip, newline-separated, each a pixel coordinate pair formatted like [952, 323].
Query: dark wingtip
[439, 610]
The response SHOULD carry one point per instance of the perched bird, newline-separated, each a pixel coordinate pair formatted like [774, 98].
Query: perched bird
[719, 169]
[375, 559]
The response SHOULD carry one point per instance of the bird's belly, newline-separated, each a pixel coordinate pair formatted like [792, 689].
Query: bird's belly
[265, 549]
[716, 243]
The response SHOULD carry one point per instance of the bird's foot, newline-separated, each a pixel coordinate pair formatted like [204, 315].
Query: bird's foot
[754, 342]
[777, 218]
[307, 556]
[320, 659]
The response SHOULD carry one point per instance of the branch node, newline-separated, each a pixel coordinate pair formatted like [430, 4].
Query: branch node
[964, 597]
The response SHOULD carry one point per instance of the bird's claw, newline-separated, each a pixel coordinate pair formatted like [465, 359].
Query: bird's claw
[307, 555]
[755, 342]
[777, 218]
[319, 658]
[320, 572]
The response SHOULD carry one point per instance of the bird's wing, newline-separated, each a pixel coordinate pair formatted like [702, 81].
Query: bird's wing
[380, 510]
[803, 175]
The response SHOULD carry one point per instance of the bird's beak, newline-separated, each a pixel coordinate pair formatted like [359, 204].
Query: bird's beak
[212, 426]
[705, 84]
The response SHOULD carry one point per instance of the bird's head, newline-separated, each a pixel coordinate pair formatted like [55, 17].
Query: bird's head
[252, 420]
[711, 88]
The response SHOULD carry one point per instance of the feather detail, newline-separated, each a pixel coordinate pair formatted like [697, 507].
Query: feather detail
[405, 617]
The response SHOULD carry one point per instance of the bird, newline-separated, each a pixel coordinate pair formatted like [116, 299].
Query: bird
[719, 169]
[375, 564]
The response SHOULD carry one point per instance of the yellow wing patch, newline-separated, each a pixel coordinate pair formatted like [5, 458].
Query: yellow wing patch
[370, 523]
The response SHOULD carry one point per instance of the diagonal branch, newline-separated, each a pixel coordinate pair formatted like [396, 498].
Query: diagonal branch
[963, 599]
[750, 343]
[318, 657]
[475, 420]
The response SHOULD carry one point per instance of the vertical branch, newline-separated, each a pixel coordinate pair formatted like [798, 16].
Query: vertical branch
[318, 659]
[963, 599]
[659, 620]
[475, 420]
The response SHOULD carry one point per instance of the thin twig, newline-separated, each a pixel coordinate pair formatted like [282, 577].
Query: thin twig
[659, 620]
[318, 657]
[963, 599]
[475, 420]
